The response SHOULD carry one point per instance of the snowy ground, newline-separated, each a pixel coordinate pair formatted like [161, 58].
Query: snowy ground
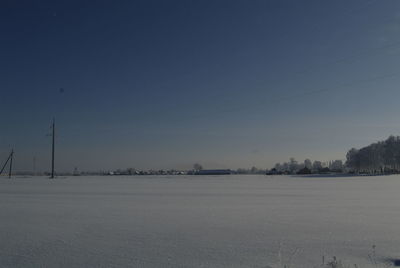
[196, 221]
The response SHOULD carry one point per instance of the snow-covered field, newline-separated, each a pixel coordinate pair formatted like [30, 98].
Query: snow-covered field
[198, 221]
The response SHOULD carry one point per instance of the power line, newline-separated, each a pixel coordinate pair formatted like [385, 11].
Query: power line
[299, 95]
[355, 55]
[273, 101]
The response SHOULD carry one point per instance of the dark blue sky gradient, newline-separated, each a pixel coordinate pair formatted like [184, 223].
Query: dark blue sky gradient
[164, 84]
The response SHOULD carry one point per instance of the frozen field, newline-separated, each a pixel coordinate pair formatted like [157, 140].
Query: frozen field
[196, 221]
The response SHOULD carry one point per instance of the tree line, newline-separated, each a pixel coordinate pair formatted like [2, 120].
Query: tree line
[307, 167]
[377, 158]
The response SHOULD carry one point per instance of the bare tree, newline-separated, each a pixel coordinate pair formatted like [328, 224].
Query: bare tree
[197, 167]
[308, 164]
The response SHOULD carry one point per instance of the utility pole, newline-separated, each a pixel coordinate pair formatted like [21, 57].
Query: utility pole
[10, 156]
[11, 162]
[52, 148]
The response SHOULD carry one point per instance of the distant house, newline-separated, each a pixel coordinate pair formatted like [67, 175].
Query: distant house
[304, 171]
[324, 170]
[274, 171]
[213, 172]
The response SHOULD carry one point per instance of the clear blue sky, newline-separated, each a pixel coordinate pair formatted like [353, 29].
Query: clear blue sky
[164, 84]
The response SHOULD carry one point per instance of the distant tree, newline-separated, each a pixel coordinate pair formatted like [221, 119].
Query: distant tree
[391, 152]
[278, 167]
[383, 156]
[308, 164]
[254, 170]
[352, 159]
[197, 167]
[285, 167]
[336, 165]
[273, 171]
[131, 171]
[293, 166]
[317, 165]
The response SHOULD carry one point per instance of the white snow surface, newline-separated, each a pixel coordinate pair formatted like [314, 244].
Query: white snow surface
[198, 221]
